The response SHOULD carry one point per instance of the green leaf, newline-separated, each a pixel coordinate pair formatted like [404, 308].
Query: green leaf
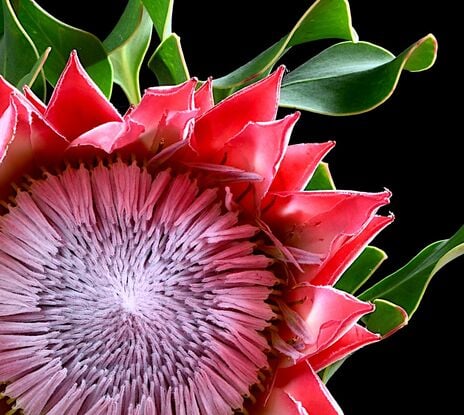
[1, 18]
[351, 78]
[386, 319]
[127, 50]
[62, 38]
[361, 269]
[329, 371]
[397, 297]
[35, 72]
[451, 255]
[18, 54]
[322, 179]
[406, 286]
[168, 62]
[125, 27]
[160, 12]
[422, 57]
[325, 19]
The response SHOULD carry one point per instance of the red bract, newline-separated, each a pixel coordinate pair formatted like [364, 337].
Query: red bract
[169, 261]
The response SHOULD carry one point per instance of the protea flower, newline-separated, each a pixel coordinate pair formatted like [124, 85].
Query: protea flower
[168, 261]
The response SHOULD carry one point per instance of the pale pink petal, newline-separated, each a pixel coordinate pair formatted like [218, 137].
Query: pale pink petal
[258, 102]
[77, 105]
[218, 173]
[110, 136]
[157, 101]
[16, 152]
[25, 106]
[258, 148]
[323, 314]
[167, 153]
[320, 222]
[298, 390]
[28, 141]
[34, 100]
[174, 126]
[283, 252]
[298, 165]
[304, 257]
[352, 340]
[8, 121]
[166, 113]
[15, 145]
[204, 99]
[340, 260]
[42, 139]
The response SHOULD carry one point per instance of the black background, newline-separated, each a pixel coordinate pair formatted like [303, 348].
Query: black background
[409, 145]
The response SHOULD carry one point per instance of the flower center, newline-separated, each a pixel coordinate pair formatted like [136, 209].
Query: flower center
[125, 292]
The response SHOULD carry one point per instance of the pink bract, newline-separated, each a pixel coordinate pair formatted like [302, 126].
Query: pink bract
[297, 243]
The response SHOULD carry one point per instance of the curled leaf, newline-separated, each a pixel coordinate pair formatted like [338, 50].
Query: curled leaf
[160, 12]
[350, 78]
[325, 19]
[361, 269]
[18, 53]
[387, 318]
[127, 45]
[451, 255]
[168, 62]
[47, 31]
[406, 286]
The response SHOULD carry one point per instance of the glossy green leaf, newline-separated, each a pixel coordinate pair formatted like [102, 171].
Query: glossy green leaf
[127, 24]
[361, 269]
[421, 57]
[127, 50]
[397, 297]
[386, 319]
[322, 179]
[18, 54]
[329, 371]
[1, 18]
[168, 62]
[325, 19]
[30, 78]
[160, 12]
[451, 255]
[351, 78]
[406, 286]
[62, 38]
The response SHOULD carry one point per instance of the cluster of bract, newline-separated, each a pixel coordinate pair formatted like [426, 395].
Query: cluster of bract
[169, 261]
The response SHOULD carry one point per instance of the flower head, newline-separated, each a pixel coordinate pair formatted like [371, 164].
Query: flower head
[168, 261]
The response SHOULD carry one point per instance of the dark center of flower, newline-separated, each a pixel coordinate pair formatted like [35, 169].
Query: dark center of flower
[125, 292]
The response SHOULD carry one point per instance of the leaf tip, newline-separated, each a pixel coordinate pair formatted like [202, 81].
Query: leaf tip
[422, 54]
